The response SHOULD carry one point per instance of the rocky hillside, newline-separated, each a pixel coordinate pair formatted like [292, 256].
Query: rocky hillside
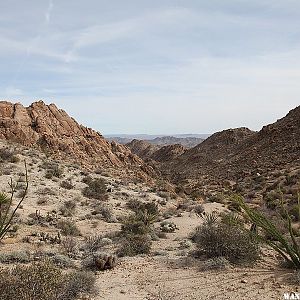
[55, 132]
[236, 153]
[187, 142]
[161, 154]
[143, 149]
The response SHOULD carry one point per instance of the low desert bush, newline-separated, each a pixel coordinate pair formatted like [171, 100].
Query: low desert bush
[43, 281]
[134, 245]
[54, 170]
[229, 240]
[68, 228]
[7, 154]
[96, 189]
[15, 257]
[68, 208]
[66, 184]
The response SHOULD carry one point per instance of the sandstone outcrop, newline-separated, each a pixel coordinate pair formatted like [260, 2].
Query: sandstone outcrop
[55, 132]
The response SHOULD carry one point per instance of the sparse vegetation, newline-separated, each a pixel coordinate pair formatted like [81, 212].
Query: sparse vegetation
[68, 227]
[43, 281]
[287, 247]
[96, 189]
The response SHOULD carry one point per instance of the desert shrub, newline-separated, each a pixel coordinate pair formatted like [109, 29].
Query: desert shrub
[68, 208]
[134, 245]
[54, 170]
[226, 240]
[7, 154]
[96, 189]
[136, 228]
[62, 261]
[106, 212]
[100, 261]
[69, 246]
[294, 212]
[68, 228]
[43, 281]
[15, 257]
[94, 242]
[66, 184]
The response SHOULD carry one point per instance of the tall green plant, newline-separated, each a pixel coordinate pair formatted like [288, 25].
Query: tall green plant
[7, 212]
[289, 249]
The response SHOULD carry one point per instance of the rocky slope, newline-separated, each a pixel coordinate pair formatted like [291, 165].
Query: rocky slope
[53, 131]
[161, 154]
[186, 141]
[143, 149]
[236, 153]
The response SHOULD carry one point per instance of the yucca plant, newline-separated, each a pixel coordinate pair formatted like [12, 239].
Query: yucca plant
[289, 249]
[7, 212]
[209, 219]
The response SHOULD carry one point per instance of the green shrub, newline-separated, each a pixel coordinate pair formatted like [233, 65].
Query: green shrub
[43, 281]
[135, 244]
[96, 189]
[226, 240]
[68, 228]
[15, 257]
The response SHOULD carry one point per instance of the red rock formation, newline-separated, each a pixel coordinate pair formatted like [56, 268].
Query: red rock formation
[52, 130]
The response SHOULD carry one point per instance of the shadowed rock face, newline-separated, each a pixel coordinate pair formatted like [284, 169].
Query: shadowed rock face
[52, 130]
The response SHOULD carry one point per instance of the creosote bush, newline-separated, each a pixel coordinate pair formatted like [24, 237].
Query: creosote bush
[136, 229]
[230, 240]
[96, 189]
[43, 281]
[68, 228]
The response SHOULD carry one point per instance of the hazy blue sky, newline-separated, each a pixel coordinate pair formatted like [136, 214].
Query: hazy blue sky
[141, 66]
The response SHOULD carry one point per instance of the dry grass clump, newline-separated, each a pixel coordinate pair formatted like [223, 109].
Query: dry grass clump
[96, 189]
[43, 281]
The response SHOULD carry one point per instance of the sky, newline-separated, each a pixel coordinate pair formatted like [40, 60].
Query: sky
[154, 67]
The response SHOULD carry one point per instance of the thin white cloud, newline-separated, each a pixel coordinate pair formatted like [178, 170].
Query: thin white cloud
[48, 11]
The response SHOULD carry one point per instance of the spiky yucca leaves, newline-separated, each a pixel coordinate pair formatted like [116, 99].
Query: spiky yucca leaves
[6, 203]
[288, 249]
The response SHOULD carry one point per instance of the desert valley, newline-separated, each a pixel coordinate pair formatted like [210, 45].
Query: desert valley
[82, 217]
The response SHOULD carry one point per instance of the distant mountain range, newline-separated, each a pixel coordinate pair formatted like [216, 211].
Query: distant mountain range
[186, 140]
